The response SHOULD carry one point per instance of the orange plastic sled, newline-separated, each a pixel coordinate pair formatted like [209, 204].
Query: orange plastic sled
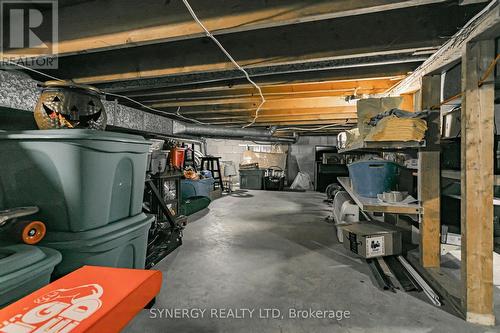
[90, 299]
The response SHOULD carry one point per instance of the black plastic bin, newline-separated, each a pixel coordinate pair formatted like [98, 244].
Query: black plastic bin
[274, 183]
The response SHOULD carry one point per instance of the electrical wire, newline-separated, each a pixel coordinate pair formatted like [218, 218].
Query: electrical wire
[195, 120]
[209, 35]
[33, 70]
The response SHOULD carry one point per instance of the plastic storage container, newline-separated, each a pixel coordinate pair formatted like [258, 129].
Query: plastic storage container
[80, 179]
[177, 155]
[252, 179]
[120, 244]
[196, 188]
[24, 269]
[372, 177]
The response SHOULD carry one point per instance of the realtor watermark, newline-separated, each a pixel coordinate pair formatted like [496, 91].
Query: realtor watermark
[29, 33]
[248, 313]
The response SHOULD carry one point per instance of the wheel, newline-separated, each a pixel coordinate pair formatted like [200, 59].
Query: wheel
[30, 232]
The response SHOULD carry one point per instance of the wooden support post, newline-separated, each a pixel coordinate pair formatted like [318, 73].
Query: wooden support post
[477, 183]
[429, 178]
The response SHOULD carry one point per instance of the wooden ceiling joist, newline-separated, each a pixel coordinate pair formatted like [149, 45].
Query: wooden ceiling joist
[378, 36]
[293, 102]
[266, 111]
[384, 82]
[156, 21]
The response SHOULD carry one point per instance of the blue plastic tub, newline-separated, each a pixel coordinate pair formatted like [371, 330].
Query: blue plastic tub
[197, 188]
[372, 177]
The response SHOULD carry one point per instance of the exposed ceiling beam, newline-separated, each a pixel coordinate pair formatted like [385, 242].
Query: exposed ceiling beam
[289, 75]
[88, 26]
[339, 88]
[266, 111]
[377, 34]
[341, 124]
[451, 52]
[271, 117]
[294, 102]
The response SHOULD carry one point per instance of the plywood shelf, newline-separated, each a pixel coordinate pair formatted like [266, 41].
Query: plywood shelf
[455, 174]
[375, 205]
[383, 145]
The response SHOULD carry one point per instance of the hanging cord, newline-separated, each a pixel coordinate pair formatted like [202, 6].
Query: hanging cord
[33, 70]
[177, 114]
[195, 120]
[490, 69]
[209, 35]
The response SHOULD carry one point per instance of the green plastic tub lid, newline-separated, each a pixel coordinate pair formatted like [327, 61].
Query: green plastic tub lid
[99, 235]
[14, 258]
[73, 134]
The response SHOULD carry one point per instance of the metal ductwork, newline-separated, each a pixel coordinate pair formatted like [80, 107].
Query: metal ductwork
[273, 139]
[181, 128]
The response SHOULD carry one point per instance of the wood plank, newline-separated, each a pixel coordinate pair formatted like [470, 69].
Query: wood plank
[367, 146]
[477, 183]
[342, 125]
[451, 51]
[383, 82]
[429, 186]
[375, 205]
[267, 111]
[267, 118]
[429, 180]
[379, 42]
[289, 103]
[155, 21]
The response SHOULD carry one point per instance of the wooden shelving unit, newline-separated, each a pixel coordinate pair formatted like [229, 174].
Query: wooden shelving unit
[374, 204]
[455, 174]
[364, 146]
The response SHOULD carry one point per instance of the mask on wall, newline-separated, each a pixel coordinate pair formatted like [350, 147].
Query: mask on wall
[66, 105]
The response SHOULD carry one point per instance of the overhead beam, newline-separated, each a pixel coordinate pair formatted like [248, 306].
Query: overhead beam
[317, 89]
[289, 103]
[384, 82]
[331, 116]
[266, 111]
[155, 21]
[270, 76]
[377, 34]
[341, 124]
[451, 51]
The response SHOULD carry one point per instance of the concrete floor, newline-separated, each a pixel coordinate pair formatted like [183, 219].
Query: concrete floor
[273, 250]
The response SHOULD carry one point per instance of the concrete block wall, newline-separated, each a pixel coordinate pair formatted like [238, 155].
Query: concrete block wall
[228, 150]
[301, 155]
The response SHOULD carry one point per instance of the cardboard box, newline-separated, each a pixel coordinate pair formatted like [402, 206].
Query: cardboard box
[371, 239]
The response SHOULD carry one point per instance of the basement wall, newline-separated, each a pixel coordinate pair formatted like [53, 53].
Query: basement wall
[19, 92]
[301, 156]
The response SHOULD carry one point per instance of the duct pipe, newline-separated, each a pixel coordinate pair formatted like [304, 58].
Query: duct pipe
[181, 128]
[273, 139]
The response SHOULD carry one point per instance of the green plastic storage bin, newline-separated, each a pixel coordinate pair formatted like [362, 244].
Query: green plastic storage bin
[24, 269]
[252, 179]
[122, 244]
[80, 179]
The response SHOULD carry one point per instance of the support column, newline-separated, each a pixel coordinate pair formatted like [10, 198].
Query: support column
[477, 183]
[429, 177]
